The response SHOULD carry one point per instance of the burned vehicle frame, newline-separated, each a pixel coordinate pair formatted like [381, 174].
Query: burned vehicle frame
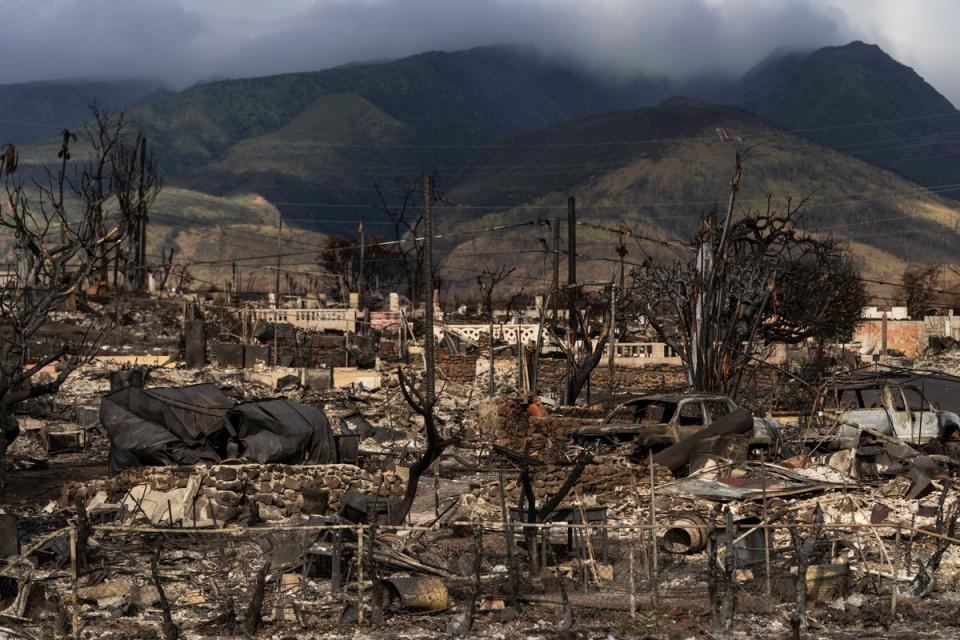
[658, 421]
[897, 410]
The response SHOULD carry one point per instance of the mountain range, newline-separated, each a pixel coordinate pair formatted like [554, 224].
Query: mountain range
[510, 134]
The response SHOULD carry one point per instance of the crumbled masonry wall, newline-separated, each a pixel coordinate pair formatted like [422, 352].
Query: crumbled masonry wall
[274, 491]
[906, 336]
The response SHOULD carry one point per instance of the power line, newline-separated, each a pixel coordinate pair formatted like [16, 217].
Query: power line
[773, 134]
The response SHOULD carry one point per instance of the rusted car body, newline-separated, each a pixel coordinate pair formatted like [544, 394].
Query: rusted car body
[658, 421]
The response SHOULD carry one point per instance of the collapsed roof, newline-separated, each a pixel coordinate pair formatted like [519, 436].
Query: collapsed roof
[199, 423]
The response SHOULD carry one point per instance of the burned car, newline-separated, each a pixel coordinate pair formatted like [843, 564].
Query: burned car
[655, 422]
[898, 410]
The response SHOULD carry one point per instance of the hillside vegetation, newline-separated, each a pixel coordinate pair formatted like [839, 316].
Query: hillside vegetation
[669, 165]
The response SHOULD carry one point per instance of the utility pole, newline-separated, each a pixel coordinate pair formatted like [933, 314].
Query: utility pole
[492, 388]
[571, 291]
[622, 252]
[142, 227]
[572, 256]
[613, 331]
[360, 283]
[556, 269]
[428, 342]
[276, 288]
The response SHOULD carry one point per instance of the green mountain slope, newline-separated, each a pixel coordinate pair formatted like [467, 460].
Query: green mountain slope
[31, 111]
[829, 94]
[327, 135]
[656, 169]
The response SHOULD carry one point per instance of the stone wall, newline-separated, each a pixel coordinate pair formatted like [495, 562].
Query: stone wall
[649, 379]
[222, 493]
[460, 368]
[508, 423]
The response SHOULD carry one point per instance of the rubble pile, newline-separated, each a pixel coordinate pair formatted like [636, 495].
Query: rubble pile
[267, 499]
[222, 493]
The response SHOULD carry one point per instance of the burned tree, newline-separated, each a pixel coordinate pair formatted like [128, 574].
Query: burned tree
[135, 181]
[62, 234]
[743, 282]
[487, 281]
[341, 259]
[530, 511]
[586, 339]
[918, 289]
[406, 213]
[424, 400]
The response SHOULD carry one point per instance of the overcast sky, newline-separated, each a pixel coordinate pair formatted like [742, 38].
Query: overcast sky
[182, 41]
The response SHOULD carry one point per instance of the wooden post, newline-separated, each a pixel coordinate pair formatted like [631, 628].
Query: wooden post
[766, 531]
[436, 489]
[653, 530]
[895, 589]
[633, 586]
[492, 388]
[508, 539]
[360, 575]
[335, 561]
[74, 571]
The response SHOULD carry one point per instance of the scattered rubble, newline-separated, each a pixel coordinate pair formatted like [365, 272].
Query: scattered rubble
[246, 498]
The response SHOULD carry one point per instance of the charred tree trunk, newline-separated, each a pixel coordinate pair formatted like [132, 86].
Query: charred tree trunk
[803, 547]
[539, 515]
[255, 610]
[168, 628]
[582, 364]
